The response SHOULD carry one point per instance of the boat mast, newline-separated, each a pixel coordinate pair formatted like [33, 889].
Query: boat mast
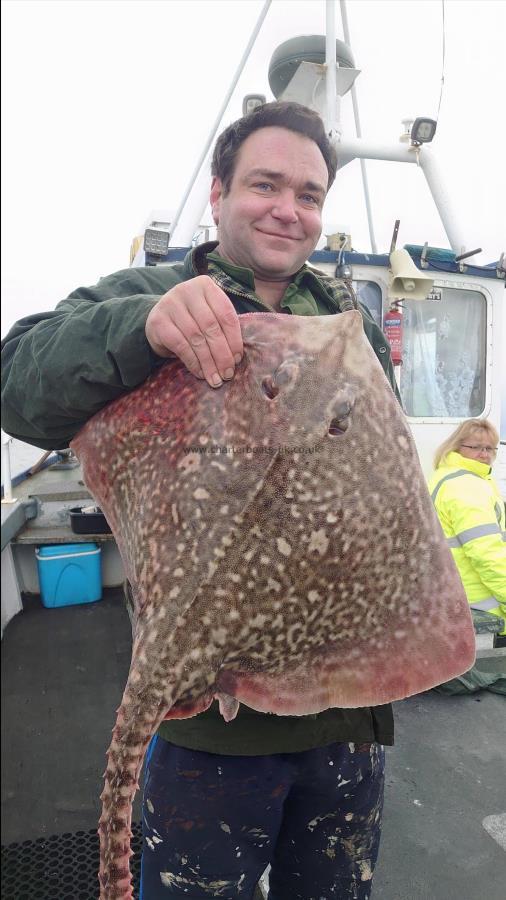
[354, 100]
[195, 199]
[333, 100]
[422, 156]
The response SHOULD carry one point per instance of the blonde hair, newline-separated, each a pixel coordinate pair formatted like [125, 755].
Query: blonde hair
[461, 434]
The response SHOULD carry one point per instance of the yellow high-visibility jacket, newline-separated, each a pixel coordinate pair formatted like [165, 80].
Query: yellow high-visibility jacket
[472, 515]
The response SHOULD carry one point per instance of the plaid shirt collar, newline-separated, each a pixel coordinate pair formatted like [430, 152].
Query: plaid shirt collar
[241, 281]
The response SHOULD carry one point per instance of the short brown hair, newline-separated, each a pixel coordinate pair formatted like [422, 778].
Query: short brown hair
[461, 434]
[280, 114]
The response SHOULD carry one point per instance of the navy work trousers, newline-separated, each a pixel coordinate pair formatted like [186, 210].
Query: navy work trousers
[212, 824]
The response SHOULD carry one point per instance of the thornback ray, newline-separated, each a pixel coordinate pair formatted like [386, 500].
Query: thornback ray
[280, 541]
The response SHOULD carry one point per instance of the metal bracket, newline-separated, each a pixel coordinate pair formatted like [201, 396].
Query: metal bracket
[465, 255]
[501, 267]
[394, 235]
[16, 518]
[423, 258]
[31, 508]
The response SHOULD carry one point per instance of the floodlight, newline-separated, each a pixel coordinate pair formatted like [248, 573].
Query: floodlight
[422, 131]
[156, 241]
[251, 102]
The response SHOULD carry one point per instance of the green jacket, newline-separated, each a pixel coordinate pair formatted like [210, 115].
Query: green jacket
[59, 368]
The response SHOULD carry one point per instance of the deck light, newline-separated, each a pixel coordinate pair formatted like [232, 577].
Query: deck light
[156, 240]
[422, 131]
[251, 101]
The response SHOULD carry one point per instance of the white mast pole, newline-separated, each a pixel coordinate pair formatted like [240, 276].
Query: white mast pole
[357, 148]
[333, 101]
[346, 34]
[430, 168]
[181, 233]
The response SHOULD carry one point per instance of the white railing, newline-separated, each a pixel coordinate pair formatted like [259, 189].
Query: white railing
[6, 470]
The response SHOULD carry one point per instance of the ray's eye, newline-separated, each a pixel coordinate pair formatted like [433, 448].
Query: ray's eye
[338, 426]
[270, 389]
[341, 421]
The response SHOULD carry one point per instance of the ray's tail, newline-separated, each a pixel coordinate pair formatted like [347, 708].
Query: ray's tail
[137, 720]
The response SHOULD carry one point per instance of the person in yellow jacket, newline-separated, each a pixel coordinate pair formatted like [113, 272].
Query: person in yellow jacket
[472, 514]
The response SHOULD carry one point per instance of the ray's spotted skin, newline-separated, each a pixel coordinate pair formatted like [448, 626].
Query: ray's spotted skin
[280, 541]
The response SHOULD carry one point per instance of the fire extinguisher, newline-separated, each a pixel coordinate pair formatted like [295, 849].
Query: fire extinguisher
[392, 326]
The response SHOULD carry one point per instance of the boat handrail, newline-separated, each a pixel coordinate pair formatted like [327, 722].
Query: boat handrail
[6, 470]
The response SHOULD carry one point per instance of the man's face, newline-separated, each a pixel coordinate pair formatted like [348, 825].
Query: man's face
[270, 220]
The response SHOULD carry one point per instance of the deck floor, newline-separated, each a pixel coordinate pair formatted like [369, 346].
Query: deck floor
[63, 673]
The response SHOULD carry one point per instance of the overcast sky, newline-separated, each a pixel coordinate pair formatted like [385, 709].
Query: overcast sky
[106, 104]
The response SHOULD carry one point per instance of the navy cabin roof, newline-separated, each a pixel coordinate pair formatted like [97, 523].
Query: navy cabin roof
[174, 255]
[438, 260]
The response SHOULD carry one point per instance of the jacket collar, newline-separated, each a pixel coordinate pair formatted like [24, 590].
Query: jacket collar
[463, 462]
[195, 263]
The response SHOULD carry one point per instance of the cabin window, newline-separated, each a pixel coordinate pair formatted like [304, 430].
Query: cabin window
[369, 293]
[444, 355]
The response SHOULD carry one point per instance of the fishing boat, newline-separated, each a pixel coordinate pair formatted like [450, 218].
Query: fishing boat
[64, 668]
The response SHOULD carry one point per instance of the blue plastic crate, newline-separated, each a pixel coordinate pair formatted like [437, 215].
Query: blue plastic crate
[69, 574]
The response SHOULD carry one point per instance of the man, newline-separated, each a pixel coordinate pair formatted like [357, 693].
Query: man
[222, 801]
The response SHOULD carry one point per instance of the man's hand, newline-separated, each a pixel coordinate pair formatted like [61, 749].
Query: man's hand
[196, 322]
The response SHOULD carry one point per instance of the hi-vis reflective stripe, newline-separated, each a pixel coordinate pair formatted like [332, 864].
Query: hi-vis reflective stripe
[448, 478]
[487, 603]
[470, 534]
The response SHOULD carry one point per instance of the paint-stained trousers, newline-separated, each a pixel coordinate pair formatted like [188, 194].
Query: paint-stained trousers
[212, 824]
